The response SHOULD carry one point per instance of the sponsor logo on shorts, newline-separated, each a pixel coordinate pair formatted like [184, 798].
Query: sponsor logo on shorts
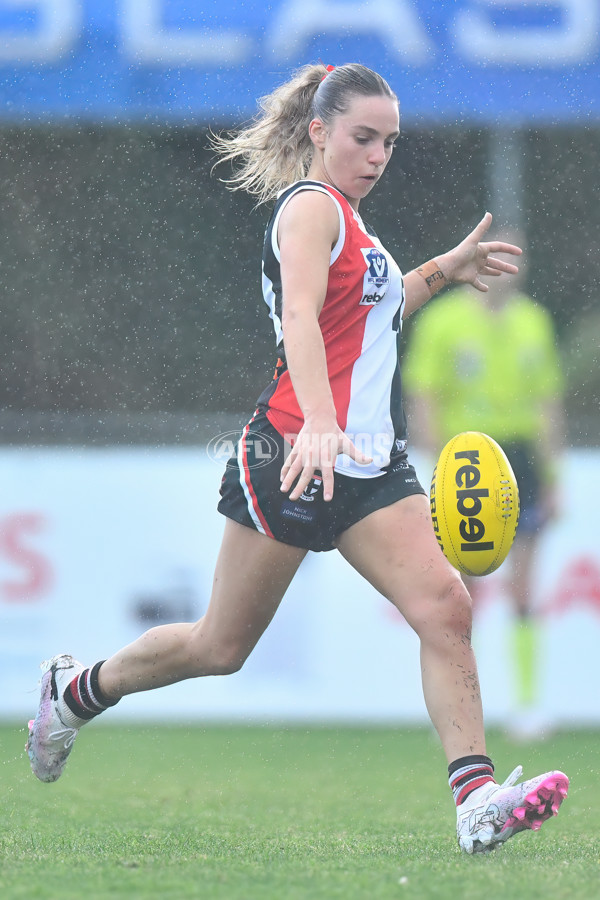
[299, 514]
[258, 450]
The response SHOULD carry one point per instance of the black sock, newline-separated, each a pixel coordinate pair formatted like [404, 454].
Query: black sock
[467, 774]
[83, 695]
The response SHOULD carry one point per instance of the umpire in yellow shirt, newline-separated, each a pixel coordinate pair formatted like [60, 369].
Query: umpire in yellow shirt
[489, 362]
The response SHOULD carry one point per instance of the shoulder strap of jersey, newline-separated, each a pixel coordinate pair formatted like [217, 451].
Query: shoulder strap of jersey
[343, 208]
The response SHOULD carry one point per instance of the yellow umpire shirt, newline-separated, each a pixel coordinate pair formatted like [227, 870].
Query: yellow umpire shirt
[488, 370]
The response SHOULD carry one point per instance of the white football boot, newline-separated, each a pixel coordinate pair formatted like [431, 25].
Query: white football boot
[52, 732]
[493, 813]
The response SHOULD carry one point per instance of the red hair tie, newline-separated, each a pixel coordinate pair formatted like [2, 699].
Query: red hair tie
[329, 69]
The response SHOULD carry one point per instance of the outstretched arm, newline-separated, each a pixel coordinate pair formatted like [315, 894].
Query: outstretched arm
[465, 264]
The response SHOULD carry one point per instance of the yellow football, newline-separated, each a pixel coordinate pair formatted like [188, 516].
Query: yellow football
[474, 502]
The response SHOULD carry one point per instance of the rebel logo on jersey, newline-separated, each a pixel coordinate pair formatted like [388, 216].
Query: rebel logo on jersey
[377, 278]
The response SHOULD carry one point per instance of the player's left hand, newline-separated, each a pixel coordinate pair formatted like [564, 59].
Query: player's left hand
[472, 258]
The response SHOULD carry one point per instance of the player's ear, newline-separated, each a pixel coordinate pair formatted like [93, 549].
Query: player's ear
[317, 133]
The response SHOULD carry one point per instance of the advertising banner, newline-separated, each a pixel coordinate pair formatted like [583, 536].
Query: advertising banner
[494, 61]
[98, 545]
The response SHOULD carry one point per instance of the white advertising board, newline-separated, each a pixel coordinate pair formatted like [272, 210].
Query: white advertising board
[97, 545]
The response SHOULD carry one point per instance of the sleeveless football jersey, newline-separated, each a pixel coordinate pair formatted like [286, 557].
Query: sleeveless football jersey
[361, 322]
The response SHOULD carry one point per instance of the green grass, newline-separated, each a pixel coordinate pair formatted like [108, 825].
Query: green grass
[238, 813]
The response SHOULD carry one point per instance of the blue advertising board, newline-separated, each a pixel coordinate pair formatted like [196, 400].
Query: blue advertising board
[489, 61]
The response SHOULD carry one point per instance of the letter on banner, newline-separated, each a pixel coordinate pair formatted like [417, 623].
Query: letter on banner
[574, 40]
[58, 24]
[37, 575]
[147, 41]
[393, 21]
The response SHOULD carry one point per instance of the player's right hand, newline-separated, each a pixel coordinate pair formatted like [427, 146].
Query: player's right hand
[315, 451]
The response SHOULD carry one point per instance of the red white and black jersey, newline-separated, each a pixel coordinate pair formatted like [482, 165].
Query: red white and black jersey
[361, 322]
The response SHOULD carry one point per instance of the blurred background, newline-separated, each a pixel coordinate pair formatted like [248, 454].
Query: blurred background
[133, 330]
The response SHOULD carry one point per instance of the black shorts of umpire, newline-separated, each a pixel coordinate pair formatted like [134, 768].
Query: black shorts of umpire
[251, 492]
[526, 467]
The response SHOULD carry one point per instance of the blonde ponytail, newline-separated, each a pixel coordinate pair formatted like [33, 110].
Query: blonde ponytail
[275, 149]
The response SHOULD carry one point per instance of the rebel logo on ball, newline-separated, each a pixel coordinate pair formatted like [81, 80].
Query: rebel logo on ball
[468, 502]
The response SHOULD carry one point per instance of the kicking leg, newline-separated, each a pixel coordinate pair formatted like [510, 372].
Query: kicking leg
[395, 549]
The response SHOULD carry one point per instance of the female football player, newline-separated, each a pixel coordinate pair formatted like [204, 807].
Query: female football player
[334, 410]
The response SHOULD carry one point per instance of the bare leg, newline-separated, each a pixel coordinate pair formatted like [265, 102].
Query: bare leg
[522, 557]
[252, 574]
[395, 550]
[525, 639]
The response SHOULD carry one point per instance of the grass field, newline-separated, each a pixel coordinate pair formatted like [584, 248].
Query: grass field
[242, 813]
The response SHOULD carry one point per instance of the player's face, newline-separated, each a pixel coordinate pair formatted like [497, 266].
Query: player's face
[356, 147]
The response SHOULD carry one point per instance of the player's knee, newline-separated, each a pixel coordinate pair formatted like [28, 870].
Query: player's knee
[220, 659]
[456, 608]
[448, 610]
[225, 667]
[211, 652]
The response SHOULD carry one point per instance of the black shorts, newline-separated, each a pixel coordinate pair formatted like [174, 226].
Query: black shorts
[522, 458]
[251, 494]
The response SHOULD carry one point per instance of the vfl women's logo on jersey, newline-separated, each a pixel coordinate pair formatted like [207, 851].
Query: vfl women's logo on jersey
[377, 276]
